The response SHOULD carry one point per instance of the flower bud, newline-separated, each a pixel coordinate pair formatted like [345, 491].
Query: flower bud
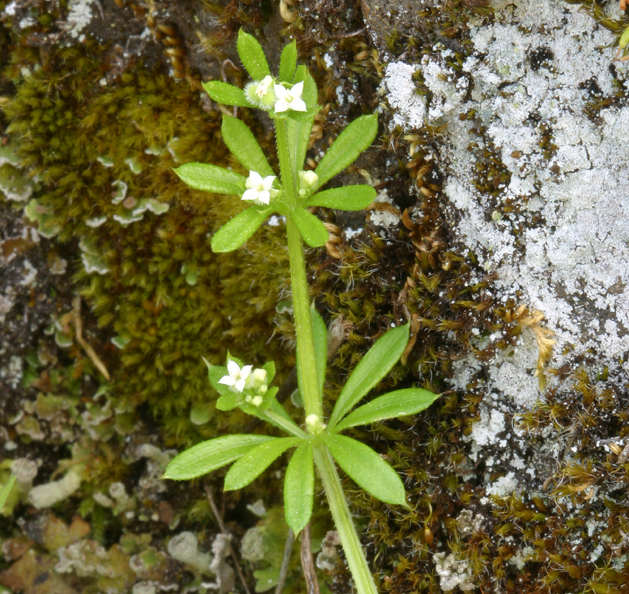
[256, 401]
[314, 424]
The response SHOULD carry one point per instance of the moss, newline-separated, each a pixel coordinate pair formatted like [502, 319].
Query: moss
[79, 136]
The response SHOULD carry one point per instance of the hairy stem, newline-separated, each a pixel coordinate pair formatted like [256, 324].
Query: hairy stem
[303, 322]
[343, 520]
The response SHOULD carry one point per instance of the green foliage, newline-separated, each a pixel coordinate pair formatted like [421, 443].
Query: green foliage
[210, 455]
[6, 490]
[299, 488]
[210, 178]
[390, 406]
[256, 461]
[355, 139]
[345, 198]
[366, 468]
[373, 367]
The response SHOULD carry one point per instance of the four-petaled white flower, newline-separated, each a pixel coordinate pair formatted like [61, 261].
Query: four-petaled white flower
[289, 98]
[258, 188]
[237, 378]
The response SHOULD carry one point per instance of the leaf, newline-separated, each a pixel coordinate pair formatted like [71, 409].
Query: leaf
[373, 367]
[225, 93]
[210, 455]
[256, 461]
[299, 136]
[299, 488]
[310, 227]
[391, 405]
[320, 335]
[288, 62]
[320, 338]
[242, 143]
[211, 178]
[4, 493]
[351, 142]
[624, 39]
[344, 198]
[252, 56]
[366, 468]
[236, 231]
[215, 373]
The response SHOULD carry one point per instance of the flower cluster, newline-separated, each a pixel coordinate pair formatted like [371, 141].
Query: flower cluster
[269, 95]
[245, 379]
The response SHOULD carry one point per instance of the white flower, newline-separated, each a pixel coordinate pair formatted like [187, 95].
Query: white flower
[237, 377]
[259, 188]
[289, 99]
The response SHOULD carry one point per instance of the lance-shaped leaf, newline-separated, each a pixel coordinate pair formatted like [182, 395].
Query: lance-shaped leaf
[225, 93]
[311, 229]
[288, 62]
[391, 405]
[210, 455]
[351, 142]
[298, 137]
[366, 468]
[256, 461]
[299, 488]
[211, 178]
[344, 198]
[236, 231]
[373, 367]
[242, 143]
[252, 56]
[4, 493]
[320, 339]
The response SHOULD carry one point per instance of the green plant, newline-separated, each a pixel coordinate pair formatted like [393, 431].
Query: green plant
[291, 101]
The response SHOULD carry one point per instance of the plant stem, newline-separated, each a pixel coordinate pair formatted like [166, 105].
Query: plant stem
[299, 282]
[303, 322]
[343, 520]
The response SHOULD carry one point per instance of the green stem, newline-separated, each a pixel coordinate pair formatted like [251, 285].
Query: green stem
[299, 282]
[343, 520]
[303, 322]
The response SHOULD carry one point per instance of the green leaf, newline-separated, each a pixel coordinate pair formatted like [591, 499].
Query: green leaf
[624, 39]
[310, 227]
[236, 231]
[344, 198]
[391, 405]
[320, 338]
[373, 367]
[4, 493]
[366, 468]
[225, 93]
[288, 62]
[242, 143]
[210, 455]
[252, 56]
[299, 488]
[256, 461]
[299, 136]
[351, 142]
[215, 373]
[211, 178]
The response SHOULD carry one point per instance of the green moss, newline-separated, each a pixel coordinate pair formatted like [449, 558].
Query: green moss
[79, 136]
